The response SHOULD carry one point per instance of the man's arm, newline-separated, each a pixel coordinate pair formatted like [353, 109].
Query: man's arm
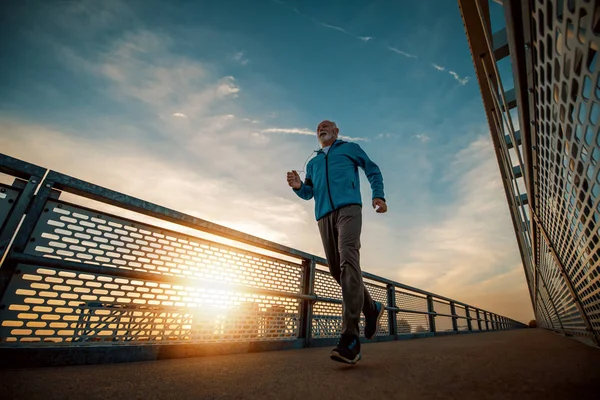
[371, 169]
[306, 189]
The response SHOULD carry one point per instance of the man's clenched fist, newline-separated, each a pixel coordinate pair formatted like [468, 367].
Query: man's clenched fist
[379, 205]
[294, 180]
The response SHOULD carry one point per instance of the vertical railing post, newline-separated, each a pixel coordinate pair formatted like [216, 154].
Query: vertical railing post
[392, 320]
[18, 211]
[454, 317]
[478, 319]
[308, 283]
[35, 210]
[487, 322]
[431, 311]
[468, 314]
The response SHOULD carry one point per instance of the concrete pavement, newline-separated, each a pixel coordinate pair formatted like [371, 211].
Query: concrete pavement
[520, 364]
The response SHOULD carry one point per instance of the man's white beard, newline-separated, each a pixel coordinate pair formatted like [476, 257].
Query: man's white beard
[327, 137]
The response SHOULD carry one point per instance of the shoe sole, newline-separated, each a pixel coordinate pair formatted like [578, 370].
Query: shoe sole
[339, 358]
[378, 320]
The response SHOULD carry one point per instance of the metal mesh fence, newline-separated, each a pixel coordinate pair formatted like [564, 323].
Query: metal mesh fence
[553, 46]
[565, 65]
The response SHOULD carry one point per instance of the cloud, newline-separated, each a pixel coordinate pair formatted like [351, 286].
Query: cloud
[337, 28]
[354, 139]
[462, 81]
[323, 24]
[308, 132]
[297, 131]
[228, 86]
[239, 57]
[180, 115]
[405, 54]
[423, 138]
[174, 185]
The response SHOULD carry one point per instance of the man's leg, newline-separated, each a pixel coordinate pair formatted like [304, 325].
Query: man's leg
[356, 298]
[329, 237]
[348, 347]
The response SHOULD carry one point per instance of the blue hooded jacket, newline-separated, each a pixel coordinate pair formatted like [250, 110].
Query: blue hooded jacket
[332, 178]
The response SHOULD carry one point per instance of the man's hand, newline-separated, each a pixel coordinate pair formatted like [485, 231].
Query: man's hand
[382, 206]
[294, 180]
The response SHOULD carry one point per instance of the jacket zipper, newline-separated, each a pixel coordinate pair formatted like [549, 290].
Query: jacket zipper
[327, 176]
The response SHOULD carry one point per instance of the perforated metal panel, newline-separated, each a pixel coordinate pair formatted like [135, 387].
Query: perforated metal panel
[57, 305]
[8, 197]
[442, 324]
[474, 324]
[461, 322]
[327, 317]
[409, 322]
[378, 293]
[51, 305]
[567, 112]
[76, 234]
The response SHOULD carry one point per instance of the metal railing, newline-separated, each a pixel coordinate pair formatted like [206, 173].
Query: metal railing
[79, 275]
[553, 48]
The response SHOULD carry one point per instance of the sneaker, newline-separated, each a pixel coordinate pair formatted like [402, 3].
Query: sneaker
[347, 350]
[372, 321]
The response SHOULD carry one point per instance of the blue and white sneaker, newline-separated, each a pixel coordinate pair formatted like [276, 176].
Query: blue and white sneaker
[347, 350]
[372, 321]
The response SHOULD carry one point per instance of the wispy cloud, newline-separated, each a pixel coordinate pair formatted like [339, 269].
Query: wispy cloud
[462, 81]
[308, 132]
[339, 29]
[240, 57]
[423, 138]
[405, 54]
[180, 115]
[324, 24]
[354, 139]
[227, 86]
[296, 131]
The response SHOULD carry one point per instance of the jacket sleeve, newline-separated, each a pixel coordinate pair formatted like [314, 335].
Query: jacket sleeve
[306, 190]
[371, 169]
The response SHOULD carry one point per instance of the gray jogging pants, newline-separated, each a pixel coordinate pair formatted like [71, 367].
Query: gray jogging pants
[340, 234]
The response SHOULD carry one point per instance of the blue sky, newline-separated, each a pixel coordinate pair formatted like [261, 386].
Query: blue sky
[204, 106]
